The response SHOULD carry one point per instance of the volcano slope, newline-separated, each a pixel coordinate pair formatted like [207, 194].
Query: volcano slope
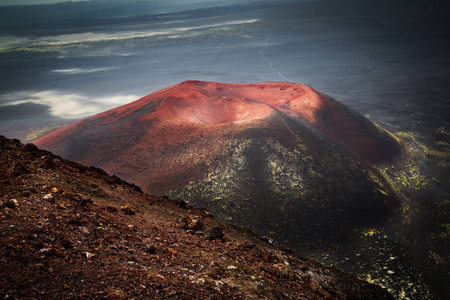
[72, 232]
[280, 158]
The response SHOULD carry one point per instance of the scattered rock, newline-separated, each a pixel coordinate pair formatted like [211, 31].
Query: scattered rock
[99, 192]
[115, 295]
[188, 223]
[181, 203]
[76, 272]
[11, 203]
[128, 209]
[193, 224]
[284, 270]
[215, 233]
[158, 280]
[85, 202]
[200, 226]
[26, 193]
[47, 163]
[17, 170]
[248, 245]
[67, 244]
[51, 252]
[87, 254]
[112, 209]
[38, 245]
[267, 239]
[170, 252]
[48, 197]
[151, 249]
[30, 147]
[84, 230]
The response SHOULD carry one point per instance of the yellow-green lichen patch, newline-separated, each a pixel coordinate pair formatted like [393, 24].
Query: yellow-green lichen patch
[36, 133]
[380, 256]
[393, 268]
[297, 190]
[411, 177]
[370, 232]
[411, 174]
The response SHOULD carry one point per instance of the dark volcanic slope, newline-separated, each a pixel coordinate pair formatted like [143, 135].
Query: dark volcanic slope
[72, 232]
[294, 159]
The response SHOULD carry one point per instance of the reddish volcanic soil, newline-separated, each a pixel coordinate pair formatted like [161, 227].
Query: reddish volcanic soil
[72, 232]
[193, 109]
[244, 149]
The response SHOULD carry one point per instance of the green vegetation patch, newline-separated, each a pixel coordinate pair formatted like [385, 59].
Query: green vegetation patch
[37, 133]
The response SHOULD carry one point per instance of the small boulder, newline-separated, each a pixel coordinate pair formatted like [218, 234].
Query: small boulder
[115, 295]
[84, 230]
[181, 203]
[48, 197]
[30, 147]
[46, 163]
[151, 249]
[111, 209]
[87, 254]
[17, 170]
[128, 209]
[67, 244]
[215, 233]
[10, 203]
[193, 224]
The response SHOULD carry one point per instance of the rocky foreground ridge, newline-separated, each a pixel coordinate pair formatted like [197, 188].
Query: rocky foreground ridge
[72, 232]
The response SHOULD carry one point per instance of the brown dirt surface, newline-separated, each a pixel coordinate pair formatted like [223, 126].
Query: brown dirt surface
[72, 232]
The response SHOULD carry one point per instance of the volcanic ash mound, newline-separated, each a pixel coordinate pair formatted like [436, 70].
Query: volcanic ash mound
[281, 158]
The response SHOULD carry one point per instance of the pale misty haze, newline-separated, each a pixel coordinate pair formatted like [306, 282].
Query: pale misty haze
[37, 2]
[33, 2]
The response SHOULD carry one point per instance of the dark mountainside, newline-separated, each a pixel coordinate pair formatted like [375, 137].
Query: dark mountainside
[69, 231]
[294, 159]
